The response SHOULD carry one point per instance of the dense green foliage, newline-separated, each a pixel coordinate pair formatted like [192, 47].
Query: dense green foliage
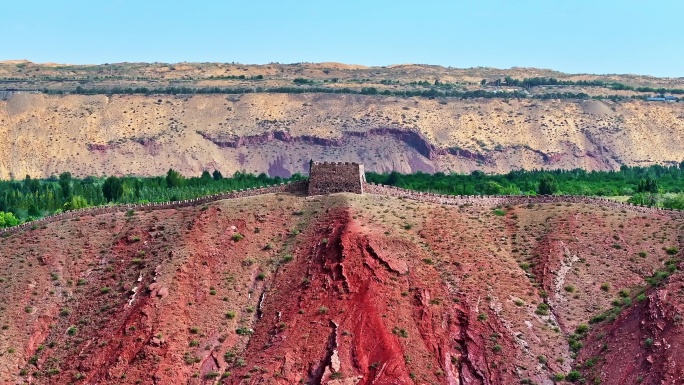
[32, 198]
[654, 185]
[540, 81]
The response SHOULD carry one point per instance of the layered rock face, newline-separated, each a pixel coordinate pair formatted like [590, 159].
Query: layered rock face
[279, 133]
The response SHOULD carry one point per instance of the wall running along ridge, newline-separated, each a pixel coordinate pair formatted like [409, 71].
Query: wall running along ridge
[335, 177]
[294, 187]
[370, 188]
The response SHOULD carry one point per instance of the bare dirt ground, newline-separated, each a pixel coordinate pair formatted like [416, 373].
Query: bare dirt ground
[340, 289]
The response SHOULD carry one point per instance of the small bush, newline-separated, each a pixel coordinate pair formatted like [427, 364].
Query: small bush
[643, 254]
[542, 309]
[230, 314]
[190, 359]
[288, 258]
[72, 330]
[237, 237]
[322, 310]
[496, 348]
[499, 212]
[582, 329]
[569, 288]
[573, 376]
[482, 316]
[671, 250]
[212, 375]
[243, 331]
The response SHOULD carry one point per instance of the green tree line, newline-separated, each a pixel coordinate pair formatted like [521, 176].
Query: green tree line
[543, 81]
[654, 186]
[434, 92]
[28, 199]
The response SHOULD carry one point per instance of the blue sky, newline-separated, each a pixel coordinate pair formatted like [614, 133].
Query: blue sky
[599, 36]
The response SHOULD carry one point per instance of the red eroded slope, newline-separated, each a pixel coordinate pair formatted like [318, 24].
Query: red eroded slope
[353, 311]
[643, 345]
[340, 289]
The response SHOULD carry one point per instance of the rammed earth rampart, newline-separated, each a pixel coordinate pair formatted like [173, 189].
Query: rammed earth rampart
[335, 177]
[302, 187]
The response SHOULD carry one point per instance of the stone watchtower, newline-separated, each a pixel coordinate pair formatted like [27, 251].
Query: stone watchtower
[335, 177]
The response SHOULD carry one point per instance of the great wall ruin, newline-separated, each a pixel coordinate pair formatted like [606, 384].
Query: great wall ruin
[339, 177]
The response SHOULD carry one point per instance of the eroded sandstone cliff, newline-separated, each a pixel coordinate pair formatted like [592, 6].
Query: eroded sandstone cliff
[279, 133]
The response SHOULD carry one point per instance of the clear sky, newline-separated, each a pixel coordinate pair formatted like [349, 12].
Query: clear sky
[576, 36]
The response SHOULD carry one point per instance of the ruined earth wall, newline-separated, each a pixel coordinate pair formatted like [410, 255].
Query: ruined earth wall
[335, 177]
[501, 200]
[294, 187]
[371, 188]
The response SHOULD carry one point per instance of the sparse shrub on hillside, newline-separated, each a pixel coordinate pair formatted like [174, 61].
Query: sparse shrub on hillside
[237, 237]
[243, 331]
[542, 309]
[672, 250]
[212, 375]
[573, 376]
[190, 358]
